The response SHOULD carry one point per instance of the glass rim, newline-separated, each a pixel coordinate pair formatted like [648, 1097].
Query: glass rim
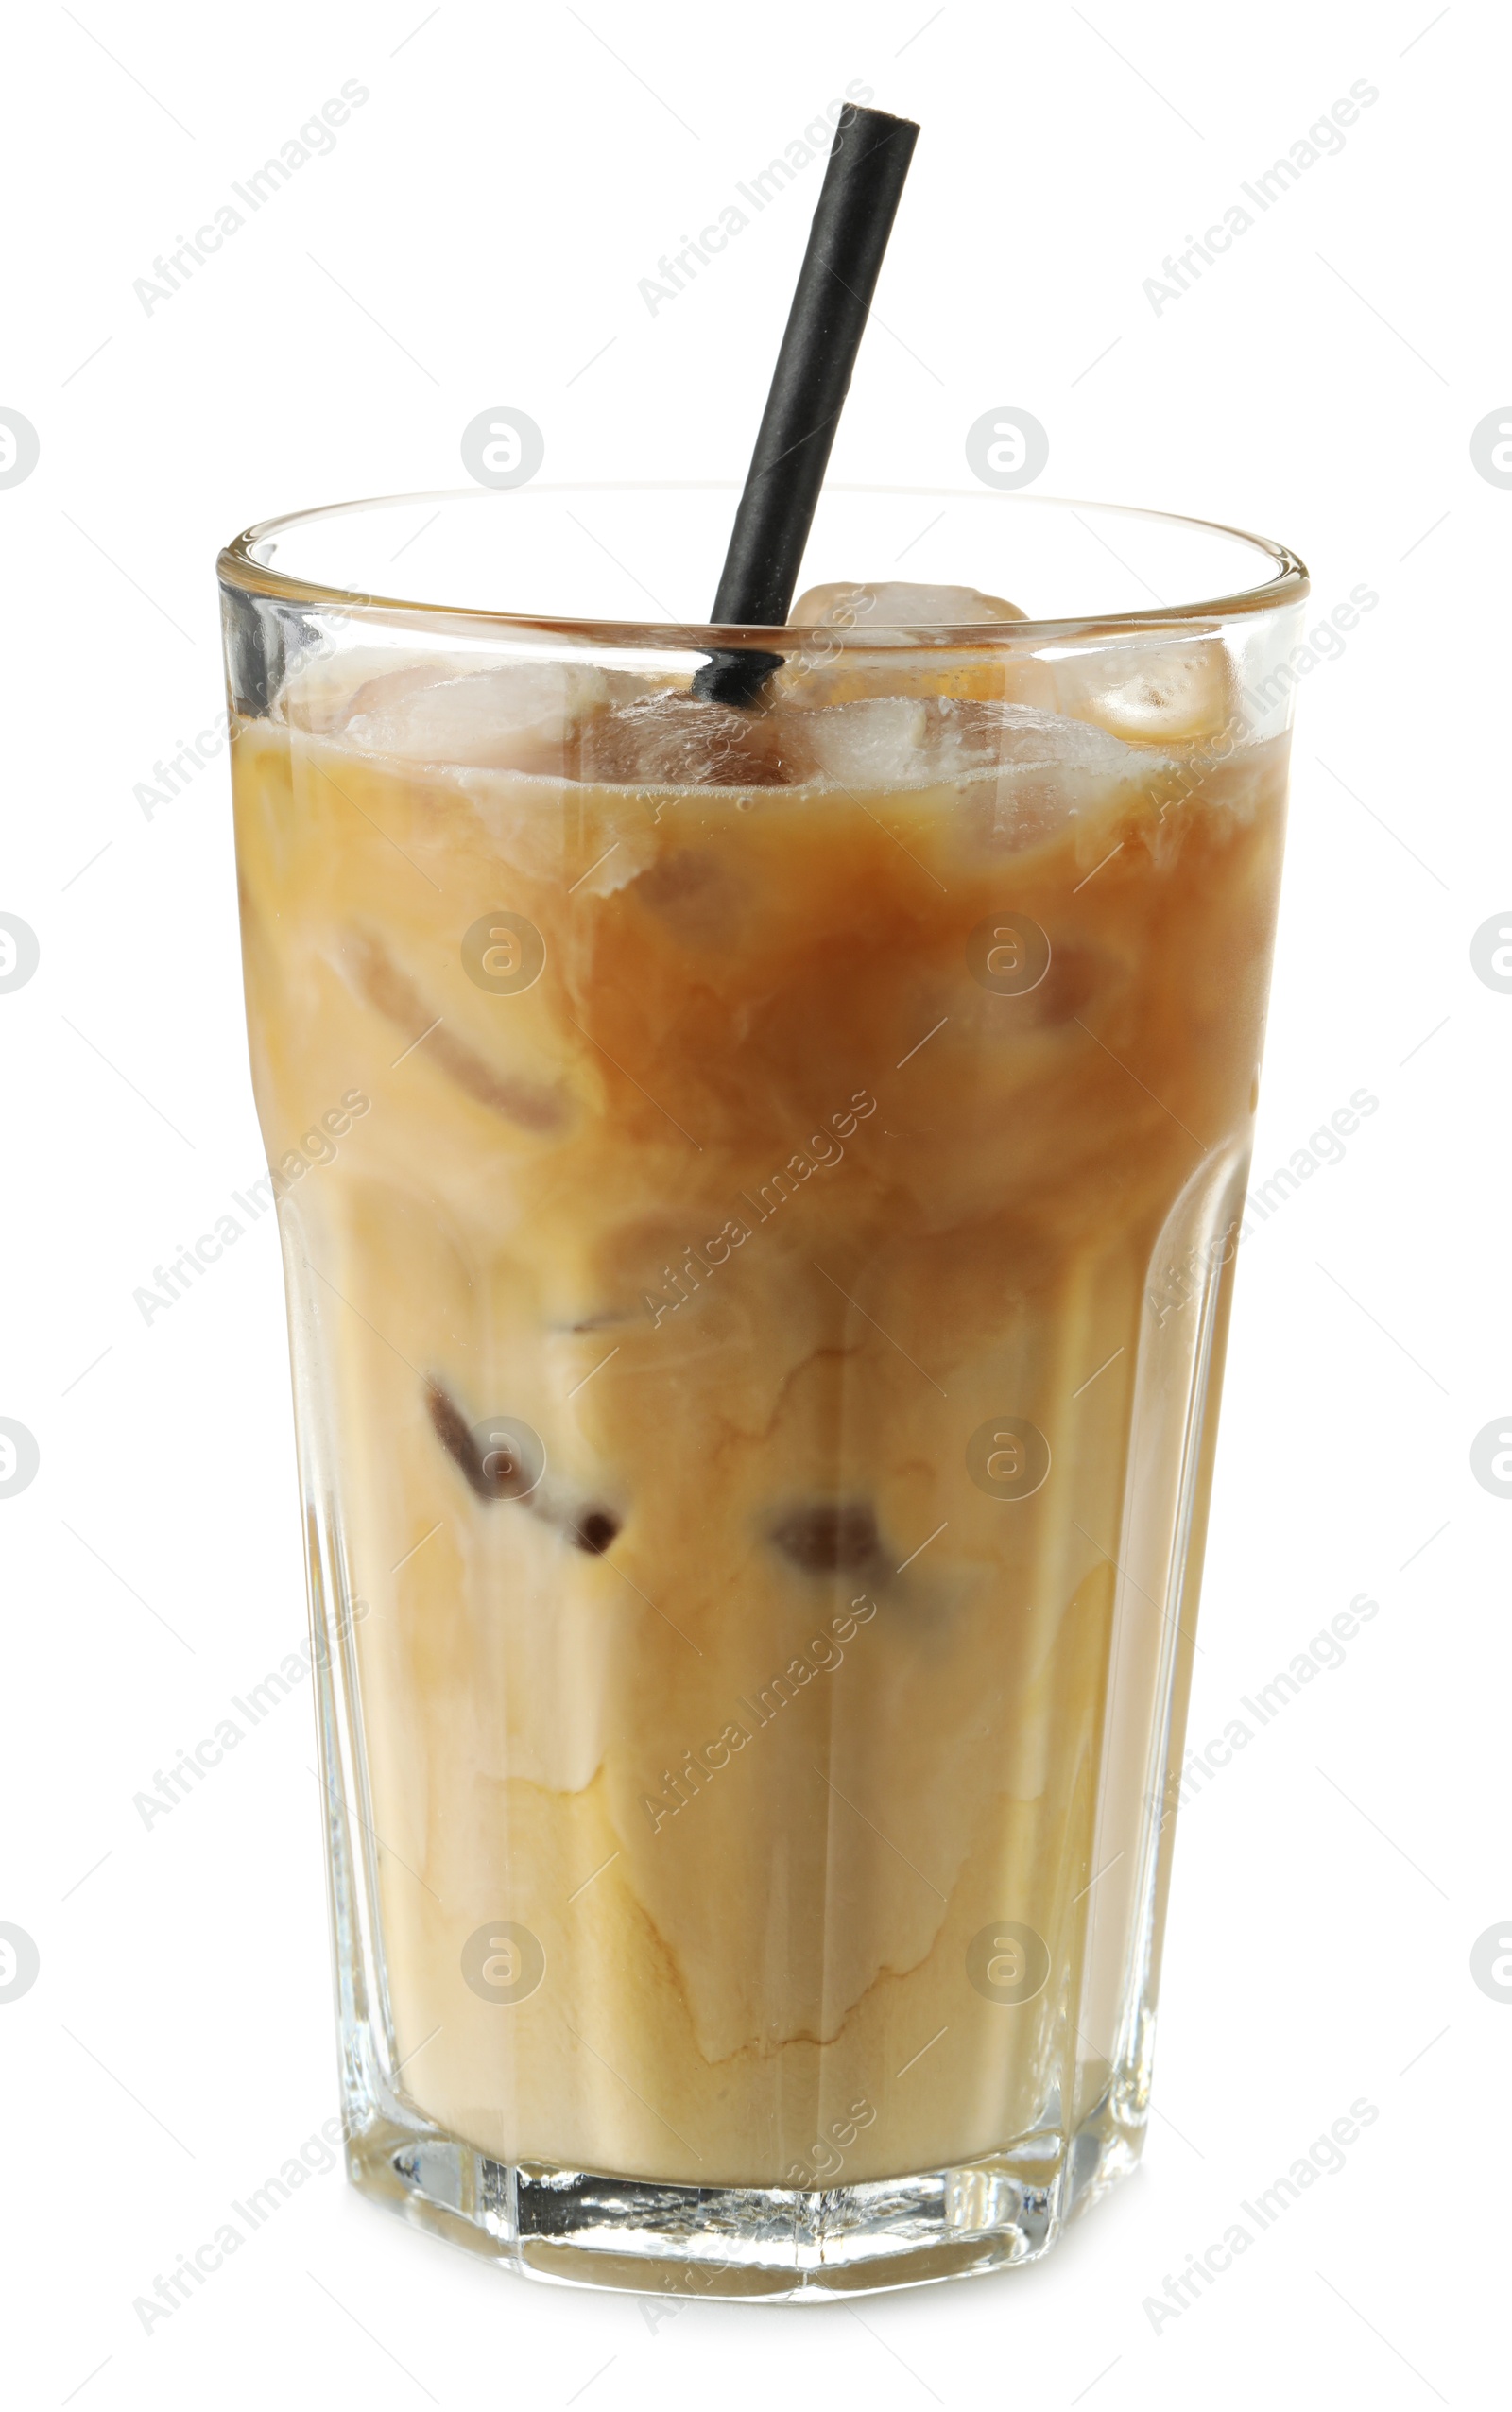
[236, 567]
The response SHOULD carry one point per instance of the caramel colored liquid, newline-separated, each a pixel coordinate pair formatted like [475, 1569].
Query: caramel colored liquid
[764, 1715]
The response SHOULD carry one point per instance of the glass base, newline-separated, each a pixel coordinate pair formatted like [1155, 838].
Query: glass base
[746, 2243]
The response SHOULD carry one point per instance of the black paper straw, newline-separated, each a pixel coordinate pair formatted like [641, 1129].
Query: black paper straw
[863, 185]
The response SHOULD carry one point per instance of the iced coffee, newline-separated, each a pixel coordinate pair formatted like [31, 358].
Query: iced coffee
[757, 1357]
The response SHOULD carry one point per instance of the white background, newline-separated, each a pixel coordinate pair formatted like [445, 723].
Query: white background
[475, 239]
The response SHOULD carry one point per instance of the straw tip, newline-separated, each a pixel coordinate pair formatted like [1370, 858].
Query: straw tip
[878, 121]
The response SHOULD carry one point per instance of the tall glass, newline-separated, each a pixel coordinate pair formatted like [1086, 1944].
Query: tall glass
[759, 1193]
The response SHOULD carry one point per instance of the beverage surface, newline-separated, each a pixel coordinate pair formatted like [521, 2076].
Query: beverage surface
[754, 1298]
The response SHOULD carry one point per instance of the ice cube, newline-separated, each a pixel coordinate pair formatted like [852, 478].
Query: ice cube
[1015, 774]
[894, 603]
[368, 963]
[943, 739]
[317, 695]
[833, 667]
[1161, 691]
[872, 743]
[968, 736]
[1012, 776]
[514, 715]
[1023, 775]
[672, 739]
